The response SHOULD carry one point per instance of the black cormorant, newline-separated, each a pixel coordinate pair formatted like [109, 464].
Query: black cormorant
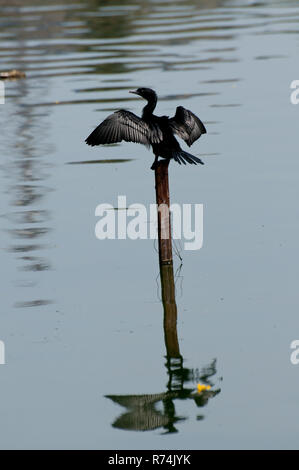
[151, 130]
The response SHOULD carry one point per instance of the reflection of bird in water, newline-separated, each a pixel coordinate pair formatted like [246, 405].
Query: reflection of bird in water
[143, 415]
[150, 130]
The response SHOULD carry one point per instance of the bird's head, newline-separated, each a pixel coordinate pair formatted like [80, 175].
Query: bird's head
[146, 93]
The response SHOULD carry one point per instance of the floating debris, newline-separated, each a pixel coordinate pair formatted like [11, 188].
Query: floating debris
[202, 388]
[12, 74]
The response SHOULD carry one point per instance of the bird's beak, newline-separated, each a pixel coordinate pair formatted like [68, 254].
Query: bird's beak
[135, 92]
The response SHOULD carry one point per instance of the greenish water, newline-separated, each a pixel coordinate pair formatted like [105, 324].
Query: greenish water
[82, 319]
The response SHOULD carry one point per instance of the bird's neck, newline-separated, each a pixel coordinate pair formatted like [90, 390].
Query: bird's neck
[149, 108]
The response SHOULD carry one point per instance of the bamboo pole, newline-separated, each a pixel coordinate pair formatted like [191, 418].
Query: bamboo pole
[163, 204]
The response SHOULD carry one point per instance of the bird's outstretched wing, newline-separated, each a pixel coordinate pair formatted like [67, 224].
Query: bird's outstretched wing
[124, 125]
[186, 125]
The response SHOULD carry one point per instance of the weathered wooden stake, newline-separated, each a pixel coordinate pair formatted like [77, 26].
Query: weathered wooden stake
[162, 200]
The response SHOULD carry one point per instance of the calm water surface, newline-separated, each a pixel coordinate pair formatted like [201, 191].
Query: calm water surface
[82, 319]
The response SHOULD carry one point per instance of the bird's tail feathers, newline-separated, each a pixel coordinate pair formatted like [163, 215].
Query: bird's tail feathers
[185, 157]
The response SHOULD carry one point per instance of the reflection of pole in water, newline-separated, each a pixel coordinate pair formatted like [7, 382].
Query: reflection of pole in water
[170, 311]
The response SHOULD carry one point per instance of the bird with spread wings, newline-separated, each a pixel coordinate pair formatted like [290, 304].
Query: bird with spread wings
[153, 131]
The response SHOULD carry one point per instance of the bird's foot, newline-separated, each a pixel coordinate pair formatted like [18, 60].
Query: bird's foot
[155, 164]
